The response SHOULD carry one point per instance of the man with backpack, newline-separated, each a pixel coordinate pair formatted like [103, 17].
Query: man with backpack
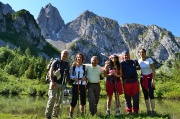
[56, 86]
[130, 82]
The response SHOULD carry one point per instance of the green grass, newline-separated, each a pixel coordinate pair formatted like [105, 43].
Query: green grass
[30, 107]
[140, 116]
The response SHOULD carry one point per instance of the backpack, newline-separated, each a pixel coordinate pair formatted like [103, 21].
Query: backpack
[72, 81]
[48, 68]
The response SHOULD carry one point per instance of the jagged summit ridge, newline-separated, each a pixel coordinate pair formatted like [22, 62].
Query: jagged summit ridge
[50, 21]
[6, 8]
[105, 36]
[92, 34]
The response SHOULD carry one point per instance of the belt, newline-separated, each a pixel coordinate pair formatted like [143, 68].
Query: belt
[93, 83]
[130, 80]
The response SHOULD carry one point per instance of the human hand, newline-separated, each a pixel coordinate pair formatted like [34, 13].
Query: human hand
[84, 79]
[152, 84]
[110, 72]
[74, 64]
[106, 65]
[75, 79]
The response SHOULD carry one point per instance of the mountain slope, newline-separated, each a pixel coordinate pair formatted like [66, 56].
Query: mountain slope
[95, 35]
[88, 33]
[19, 29]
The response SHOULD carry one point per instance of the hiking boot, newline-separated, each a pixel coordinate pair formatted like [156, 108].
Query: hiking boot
[153, 113]
[118, 113]
[55, 117]
[129, 113]
[107, 112]
[48, 117]
[135, 113]
[71, 115]
[82, 113]
[149, 113]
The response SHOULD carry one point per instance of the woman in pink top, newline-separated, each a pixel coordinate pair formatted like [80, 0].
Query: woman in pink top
[113, 73]
[147, 80]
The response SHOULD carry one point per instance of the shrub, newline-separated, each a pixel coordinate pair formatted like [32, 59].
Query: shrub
[31, 90]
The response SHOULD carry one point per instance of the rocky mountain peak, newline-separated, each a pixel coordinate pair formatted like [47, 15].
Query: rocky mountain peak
[49, 6]
[6, 8]
[87, 14]
[50, 21]
[90, 34]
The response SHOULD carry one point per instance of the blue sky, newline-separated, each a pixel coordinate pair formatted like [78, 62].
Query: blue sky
[163, 13]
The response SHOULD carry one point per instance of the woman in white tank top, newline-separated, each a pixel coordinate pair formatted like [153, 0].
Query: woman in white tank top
[147, 80]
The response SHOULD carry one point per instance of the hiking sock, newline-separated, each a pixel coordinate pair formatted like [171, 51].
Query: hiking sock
[71, 114]
[107, 112]
[152, 104]
[117, 111]
[147, 105]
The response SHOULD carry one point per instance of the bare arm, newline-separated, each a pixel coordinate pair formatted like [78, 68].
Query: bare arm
[52, 83]
[105, 75]
[106, 67]
[153, 71]
[51, 74]
[153, 75]
[120, 72]
[137, 65]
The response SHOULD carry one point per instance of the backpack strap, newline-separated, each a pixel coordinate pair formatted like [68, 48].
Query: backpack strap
[84, 70]
[59, 63]
[73, 70]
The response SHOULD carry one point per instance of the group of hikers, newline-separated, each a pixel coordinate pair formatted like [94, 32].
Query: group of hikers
[121, 78]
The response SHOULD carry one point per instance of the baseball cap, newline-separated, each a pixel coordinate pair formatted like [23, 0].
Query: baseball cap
[125, 52]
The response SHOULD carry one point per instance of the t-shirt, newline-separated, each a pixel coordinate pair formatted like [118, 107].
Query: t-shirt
[129, 69]
[93, 73]
[63, 66]
[145, 66]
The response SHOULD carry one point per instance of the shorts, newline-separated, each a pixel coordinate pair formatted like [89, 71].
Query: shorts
[113, 87]
[131, 89]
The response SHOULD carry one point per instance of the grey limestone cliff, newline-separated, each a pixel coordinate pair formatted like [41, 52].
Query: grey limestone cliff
[89, 34]
[50, 21]
[95, 35]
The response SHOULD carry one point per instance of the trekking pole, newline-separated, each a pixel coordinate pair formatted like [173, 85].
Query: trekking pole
[78, 90]
[61, 92]
[116, 93]
[85, 75]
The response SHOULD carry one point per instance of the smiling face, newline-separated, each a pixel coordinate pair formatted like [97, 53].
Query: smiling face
[114, 58]
[94, 61]
[64, 55]
[126, 56]
[142, 53]
[79, 59]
